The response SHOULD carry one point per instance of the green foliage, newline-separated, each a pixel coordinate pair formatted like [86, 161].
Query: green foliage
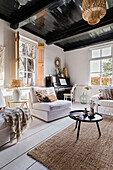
[107, 67]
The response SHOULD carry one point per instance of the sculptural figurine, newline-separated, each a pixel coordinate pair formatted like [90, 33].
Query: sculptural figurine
[92, 104]
[85, 112]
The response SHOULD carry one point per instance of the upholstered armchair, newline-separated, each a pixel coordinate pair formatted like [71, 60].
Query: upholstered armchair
[104, 101]
[48, 111]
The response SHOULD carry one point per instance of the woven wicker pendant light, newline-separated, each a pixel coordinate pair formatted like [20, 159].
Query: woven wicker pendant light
[93, 10]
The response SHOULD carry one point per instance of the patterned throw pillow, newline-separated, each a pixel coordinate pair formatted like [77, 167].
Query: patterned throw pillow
[112, 93]
[43, 92]
[41, 97]
[105, 94]
[52, 98]
[38, 96]
[45, 96]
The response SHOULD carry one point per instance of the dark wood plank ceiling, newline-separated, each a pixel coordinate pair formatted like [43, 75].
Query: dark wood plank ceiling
[58, 22]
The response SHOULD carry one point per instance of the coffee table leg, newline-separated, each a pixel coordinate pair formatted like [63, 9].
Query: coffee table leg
[78, 130]
[76, 124]
[98, 128]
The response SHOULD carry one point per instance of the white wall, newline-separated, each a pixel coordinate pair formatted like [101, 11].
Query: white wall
[78, 65]
[77, 62]
[37, 40]
[7, 39]
[51, 52]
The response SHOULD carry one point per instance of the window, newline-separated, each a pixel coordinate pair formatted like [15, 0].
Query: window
[2, 53]
[101, 66]
[27, 55]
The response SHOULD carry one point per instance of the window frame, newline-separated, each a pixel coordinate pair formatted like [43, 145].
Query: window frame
[100, 59]
[28, 41]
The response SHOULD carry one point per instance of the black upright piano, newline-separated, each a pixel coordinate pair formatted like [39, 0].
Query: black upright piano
[61, 84]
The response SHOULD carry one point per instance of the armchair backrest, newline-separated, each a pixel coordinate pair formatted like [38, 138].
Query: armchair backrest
[50, 91]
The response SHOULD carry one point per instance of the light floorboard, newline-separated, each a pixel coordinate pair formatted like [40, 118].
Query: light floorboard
[15, 157]
[37, 166]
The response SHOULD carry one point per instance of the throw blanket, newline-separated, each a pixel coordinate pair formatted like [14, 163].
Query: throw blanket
[17, 121]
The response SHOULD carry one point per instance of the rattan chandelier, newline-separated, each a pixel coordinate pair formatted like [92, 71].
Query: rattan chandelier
[93, 10]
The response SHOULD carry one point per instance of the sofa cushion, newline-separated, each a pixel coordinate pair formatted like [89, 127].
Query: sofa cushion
[57, 105]
[106, 103]
[105, 110]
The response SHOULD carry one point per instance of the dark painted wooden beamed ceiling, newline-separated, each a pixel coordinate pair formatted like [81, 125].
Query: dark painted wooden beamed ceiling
[58, 22]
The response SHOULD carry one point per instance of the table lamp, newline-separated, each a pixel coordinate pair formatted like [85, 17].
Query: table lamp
[15, 84]
[2, 100]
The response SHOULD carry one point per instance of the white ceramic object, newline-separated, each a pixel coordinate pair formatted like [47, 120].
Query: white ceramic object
[2, 100]
[16, 94]
[91, 114]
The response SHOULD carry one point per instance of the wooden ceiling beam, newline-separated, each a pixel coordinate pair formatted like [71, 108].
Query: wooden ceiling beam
[38, 7]
[101, 39]
[32, 32]
[77, 28]
[4, 17]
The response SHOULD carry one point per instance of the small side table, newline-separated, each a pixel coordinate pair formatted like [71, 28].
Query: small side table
[22, 102]
[78, 116]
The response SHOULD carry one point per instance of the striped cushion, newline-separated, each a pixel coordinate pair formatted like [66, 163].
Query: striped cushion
[105, 94]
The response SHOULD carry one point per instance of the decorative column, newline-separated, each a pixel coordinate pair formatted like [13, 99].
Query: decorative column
[41, 64]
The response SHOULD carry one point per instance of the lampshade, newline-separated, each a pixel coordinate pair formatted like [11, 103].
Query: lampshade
[2, 100]
[16, 91]
[93, 10]
[23, 2]
[16, 83]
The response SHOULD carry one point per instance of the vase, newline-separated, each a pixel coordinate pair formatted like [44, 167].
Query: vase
[83, 98]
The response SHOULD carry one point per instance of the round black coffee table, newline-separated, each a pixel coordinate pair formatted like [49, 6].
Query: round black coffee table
[78, 116]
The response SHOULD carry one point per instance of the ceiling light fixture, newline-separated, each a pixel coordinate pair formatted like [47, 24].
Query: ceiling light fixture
[93, 10]
[23, 2]
[19, 3]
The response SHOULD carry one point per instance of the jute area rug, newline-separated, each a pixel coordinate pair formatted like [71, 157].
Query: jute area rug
[63, 152]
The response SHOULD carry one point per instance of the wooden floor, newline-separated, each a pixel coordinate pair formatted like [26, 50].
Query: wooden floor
[14, 156]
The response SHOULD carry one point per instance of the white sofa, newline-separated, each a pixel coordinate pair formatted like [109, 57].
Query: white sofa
[4, 131]
[104, 107]
[48, 111]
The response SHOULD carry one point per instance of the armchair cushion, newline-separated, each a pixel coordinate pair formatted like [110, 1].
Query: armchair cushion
[49, 111]
[105, 94]
[57, 105]
[106, 103]
[52, 98]
[48, 91]
[42, 97]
